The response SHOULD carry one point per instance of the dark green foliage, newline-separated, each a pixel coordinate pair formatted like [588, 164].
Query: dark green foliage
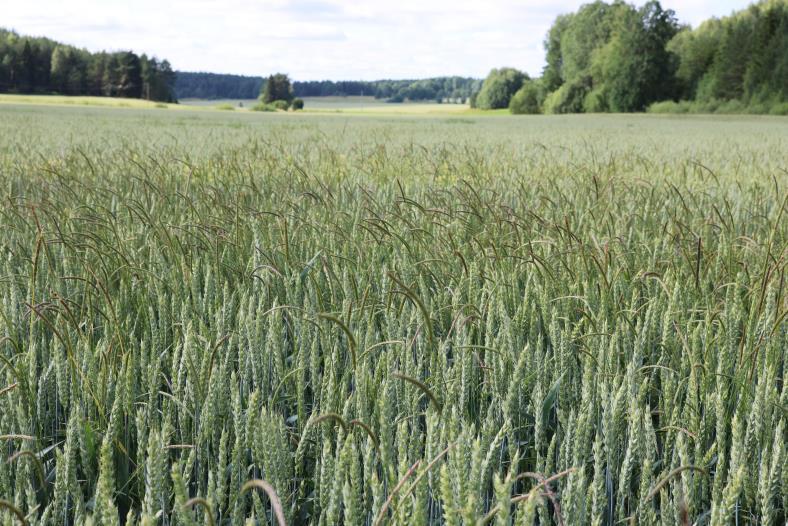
[610, 57]
[277, 88]
[24, 62]
[275, 105]
[551, 76]
[741, 57]
[454, 89]
[649, 68]
[40, 65]
[263, 107]
[733, 106]
[695, 50]
[330, 88]
[129, 75]
[218, 86]
[192, 85]
[528, 99]
[616, 57]
[570, 97]
[69, 70]
[499, 87]
[158, 79]
[450, 89]
[281, 105]
[298, 104]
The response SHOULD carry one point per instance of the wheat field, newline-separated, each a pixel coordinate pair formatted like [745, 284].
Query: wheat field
[217, 318]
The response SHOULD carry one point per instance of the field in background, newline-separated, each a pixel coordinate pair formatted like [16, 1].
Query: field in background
[399, 319]
[63, 100]
[344, 105]
[238, 104]
[365, 105]
[373, 105]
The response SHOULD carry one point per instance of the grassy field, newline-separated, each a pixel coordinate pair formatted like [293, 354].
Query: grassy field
[351, 105]
[214, 317]
[321, 103]
[368, 105]
[62, 100]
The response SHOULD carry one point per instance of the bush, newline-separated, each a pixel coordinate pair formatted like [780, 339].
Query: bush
[527, 100]
[277, 105]
[728, 107]
[499, 87]
[298, 104]
[733, 107]
[669, 106]
[779, 108]
[569, 97]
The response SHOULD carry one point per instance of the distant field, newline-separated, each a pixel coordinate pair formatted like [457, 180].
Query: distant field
[239, 104]
[62, 100]
[346, 102]
[379, 106]
[344, 105]
[349, 105]
[370, 319]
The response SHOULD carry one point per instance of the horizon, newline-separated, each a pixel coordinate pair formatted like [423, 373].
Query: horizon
[442, 39]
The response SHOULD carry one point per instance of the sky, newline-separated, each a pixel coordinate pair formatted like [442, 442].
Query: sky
[319, 39]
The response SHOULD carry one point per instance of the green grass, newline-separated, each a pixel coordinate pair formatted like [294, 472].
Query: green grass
[352, 106]
[342, 105]
[62, 100]
[373, 106]
[400, 319]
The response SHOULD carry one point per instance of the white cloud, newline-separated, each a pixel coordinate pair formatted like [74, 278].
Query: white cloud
[317, 39]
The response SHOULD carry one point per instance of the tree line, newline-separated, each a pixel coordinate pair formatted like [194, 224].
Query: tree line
[199, 85]
[619, 58]
[605, 57]
[41, 65]
[219, 86]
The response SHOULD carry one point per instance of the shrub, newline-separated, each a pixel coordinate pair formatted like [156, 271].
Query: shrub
[569, 97]
[298, 104]
[277, 105]
[727, 107]
[499, 87]
[732, 107]
[779, 108]
[528, 99]
[669, 106]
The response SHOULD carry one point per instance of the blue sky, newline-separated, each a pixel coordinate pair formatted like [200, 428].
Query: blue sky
[319, 39]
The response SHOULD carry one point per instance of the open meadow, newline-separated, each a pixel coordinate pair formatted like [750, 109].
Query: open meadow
[351, 105]
[211, 317]
[346, 105]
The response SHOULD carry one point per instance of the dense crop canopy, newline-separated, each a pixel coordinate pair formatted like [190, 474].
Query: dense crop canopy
[416, 321]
